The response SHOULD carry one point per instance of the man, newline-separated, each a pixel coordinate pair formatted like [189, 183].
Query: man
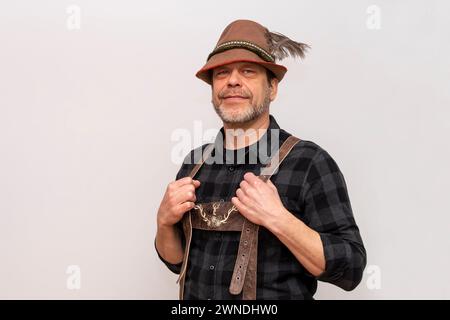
[234, 228]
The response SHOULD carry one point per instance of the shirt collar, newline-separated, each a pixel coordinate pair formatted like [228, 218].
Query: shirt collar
[259, 151]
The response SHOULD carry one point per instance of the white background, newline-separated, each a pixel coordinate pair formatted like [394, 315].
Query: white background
[87, 115]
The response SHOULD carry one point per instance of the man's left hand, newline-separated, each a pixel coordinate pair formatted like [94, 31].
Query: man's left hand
[259, 201]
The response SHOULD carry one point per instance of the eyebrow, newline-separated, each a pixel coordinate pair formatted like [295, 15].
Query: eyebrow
[247, 65]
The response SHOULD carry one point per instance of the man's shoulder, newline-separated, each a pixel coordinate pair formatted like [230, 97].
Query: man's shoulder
[195, 154]
[189, 161]
[308, 153]
[307, 149]
[316, 160]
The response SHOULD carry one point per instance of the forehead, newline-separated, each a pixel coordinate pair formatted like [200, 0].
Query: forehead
[240, 64]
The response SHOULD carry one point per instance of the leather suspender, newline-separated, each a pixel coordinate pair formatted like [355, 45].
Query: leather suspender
[187, 223]
[248, 244]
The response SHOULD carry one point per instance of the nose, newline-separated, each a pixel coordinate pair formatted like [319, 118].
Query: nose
[234, 79]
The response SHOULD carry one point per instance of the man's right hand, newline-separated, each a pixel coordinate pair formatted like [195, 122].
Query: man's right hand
[178, 199]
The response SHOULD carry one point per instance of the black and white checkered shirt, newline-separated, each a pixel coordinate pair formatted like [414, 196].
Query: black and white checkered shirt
[311, 187]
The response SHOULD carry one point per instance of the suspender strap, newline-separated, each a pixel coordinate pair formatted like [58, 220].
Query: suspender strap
[244, 274]
[187, 222]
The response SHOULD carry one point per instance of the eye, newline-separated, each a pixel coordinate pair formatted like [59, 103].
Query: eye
[248, 71]
[221, 72]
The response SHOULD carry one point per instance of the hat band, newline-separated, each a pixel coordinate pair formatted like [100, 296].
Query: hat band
[263, 54]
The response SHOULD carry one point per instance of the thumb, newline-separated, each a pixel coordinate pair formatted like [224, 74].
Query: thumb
[271, 185]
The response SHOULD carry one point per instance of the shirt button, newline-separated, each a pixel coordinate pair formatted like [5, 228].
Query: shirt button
[231, 168]
[211, 267]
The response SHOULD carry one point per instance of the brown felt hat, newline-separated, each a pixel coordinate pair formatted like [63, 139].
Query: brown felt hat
[248, 41]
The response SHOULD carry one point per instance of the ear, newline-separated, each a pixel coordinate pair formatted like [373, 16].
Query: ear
[273, 88]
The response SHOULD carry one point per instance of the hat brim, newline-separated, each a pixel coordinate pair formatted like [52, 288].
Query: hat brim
[238, 55]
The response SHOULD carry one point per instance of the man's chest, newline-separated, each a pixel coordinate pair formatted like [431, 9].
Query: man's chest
[219, 182]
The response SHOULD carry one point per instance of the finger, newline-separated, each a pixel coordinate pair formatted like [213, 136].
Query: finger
[243, 197]
[183, 197]
[196, 183]
[252, 179]
[249, 190]
[245, 186]
[180, 182]
[184, 193]
[184, 207]
[242, 208]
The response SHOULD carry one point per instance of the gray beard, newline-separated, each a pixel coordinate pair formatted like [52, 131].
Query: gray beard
[250, 113]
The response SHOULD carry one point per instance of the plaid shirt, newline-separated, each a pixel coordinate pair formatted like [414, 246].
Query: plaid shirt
[311, 187]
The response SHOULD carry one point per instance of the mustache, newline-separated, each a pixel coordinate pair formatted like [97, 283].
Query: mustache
[226, 94]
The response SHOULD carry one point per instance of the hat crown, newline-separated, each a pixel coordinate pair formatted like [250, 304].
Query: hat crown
[245, 30]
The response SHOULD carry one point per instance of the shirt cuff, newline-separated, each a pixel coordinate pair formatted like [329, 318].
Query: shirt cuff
[335, 258]
[343, 263]
[175, 268]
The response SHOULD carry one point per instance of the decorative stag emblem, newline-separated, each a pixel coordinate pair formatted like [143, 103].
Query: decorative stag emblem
[213, 220]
